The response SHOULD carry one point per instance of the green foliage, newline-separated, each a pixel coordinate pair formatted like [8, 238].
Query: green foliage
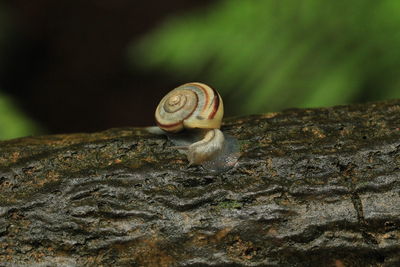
[13, 123]
[275, 54]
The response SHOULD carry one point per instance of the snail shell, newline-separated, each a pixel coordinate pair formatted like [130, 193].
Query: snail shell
[192, 105]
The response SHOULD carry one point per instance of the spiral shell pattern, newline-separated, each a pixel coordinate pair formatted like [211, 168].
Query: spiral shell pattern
[192, 105]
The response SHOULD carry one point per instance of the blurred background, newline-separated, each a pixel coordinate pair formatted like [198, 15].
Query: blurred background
[83, 66]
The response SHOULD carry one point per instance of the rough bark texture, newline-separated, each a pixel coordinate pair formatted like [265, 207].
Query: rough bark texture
[313, 187]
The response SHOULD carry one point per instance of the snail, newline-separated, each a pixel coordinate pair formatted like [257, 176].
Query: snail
[191, 115]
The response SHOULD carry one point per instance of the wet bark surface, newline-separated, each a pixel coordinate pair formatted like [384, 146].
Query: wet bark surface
[313, 187]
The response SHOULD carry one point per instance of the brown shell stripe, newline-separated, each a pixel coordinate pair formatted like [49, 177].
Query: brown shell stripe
[216, 103]
[167, 125]
[205, 93]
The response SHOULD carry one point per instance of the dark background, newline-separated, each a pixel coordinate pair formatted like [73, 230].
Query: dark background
[67, 63]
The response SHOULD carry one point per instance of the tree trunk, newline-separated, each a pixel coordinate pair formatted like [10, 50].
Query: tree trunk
[313, 187]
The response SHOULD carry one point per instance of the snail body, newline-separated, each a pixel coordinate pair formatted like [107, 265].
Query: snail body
[205, 149]
[191, 116]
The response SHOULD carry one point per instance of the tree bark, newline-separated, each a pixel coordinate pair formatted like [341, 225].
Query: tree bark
[313, 187]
